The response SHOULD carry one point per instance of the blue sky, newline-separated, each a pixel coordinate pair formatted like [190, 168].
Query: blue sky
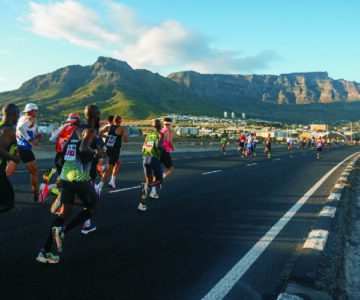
[229, 36]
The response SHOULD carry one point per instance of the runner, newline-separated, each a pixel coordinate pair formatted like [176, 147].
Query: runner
[114, 134]
[255, 142]
[319, 147]
[101, 166]
[60, 137]
[223, 143]
[267, 143]
[75, 181]
[27, 137]
[151, 162]
[241, 148]
[249, 144]
[165, 156]
[11, 115]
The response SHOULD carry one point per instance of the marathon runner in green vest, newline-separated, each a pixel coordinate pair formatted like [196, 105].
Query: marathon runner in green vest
[151, 162]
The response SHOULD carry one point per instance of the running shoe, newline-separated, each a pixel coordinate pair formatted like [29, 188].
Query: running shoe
[154, 194]
[48, 174]
[97, 190]
[144, 191]
[112, 184]
[55, 191]
[88, 229]
[58, 236]
[142, 207]
[44, 190]
[47, 258]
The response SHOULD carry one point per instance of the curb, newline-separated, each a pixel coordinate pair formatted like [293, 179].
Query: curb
[301, 284]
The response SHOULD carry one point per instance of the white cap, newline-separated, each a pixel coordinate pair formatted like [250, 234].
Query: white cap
[30, 107]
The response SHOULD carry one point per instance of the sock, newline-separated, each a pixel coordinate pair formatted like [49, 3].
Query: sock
[112, 179]
[101, 184]
[58, 222]
[164, 175]
[153, 189]
[87, 223]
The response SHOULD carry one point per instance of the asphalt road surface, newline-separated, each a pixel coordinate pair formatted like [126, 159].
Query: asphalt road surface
[210, 216]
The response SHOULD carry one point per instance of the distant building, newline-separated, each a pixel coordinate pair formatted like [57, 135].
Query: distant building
[225, 114]
[233, 115]
[318, 127]
[187, 131]
[243, 116]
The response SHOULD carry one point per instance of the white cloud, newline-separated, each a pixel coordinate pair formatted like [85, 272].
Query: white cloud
[119, 33]
[5, 52]
[2, 79]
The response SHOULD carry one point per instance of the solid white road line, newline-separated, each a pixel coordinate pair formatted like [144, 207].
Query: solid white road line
[212, 172]
[316, 239]
[126, 189]
[223, 287]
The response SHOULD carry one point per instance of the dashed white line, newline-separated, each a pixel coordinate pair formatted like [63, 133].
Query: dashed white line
[335, 196]
[126, 189]
[275, 159]
[223, 287]
[328, 211]
[212, 172]
[252, 164]
[316, 239]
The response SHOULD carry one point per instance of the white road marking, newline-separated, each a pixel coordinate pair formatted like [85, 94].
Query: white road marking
[343, 178]
[335, 196]
[328, 211]
[291, 156]
[316, 239]
[252, 164]
[126, 189]
[223, 287]
[277, 158]
[212, 172]
[339, 186]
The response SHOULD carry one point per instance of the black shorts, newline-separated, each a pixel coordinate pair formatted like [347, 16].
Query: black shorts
[152, 167]
[84, 190]
[319, 149]
[59, 162]
[114, 156]
[93, 169]
[7, 193]
[242, 144]
[165, 159]
[26, 155]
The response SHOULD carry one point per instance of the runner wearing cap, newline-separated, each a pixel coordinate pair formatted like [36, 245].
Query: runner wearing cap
[27, 137]
[114, 134]
[10, 114]
[165, 157]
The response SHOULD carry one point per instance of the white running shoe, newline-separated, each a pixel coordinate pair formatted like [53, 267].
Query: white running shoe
[97, 190]
[112, 184]
[47, 258]
[154, 194]
[142, 207]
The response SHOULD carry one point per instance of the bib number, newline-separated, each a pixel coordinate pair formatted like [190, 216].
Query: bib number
[70, 153]
[149, 145]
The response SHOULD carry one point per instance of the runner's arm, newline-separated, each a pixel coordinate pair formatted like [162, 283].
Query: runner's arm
[22, 128]
[55, 134]
[6, 138]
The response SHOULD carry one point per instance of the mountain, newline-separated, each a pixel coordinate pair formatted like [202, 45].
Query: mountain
[137, 94]
[113, 85]
[293, 97]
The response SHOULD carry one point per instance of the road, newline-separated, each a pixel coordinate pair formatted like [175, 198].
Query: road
[210, 214]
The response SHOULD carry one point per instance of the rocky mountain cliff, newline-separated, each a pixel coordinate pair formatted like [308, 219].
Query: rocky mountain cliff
[295, 88]
[119, 89]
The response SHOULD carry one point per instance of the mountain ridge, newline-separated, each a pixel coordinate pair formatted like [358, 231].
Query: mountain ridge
[139, 93]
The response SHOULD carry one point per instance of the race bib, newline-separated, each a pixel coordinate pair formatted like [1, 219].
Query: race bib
[70, 153]
[111, 141]
[149, 145]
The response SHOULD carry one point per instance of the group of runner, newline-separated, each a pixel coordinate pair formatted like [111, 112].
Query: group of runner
[80, 153]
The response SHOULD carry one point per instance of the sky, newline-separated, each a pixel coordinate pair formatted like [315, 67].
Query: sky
[207, 36]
